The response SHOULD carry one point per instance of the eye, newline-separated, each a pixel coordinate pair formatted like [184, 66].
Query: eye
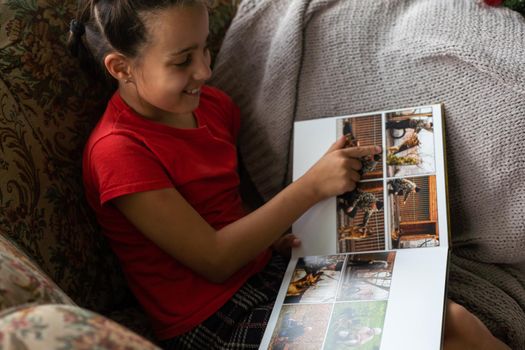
[185, 63]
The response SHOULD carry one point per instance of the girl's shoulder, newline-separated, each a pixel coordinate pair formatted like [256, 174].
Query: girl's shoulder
[219, 110]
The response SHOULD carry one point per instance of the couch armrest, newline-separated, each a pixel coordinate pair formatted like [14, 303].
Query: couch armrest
[22, 282]
[64, 327]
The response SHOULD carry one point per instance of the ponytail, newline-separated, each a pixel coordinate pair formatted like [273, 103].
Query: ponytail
[77, 30]
[82, 40]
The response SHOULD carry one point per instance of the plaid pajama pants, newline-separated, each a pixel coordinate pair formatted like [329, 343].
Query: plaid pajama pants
[241, 322]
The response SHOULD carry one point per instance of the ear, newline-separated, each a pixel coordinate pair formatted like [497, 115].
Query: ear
[118, 66]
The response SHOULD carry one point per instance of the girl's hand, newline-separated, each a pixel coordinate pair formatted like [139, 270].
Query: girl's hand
[284, 244]
[338, 170]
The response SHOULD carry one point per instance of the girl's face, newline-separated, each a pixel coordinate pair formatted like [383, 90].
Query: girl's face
[173, 65]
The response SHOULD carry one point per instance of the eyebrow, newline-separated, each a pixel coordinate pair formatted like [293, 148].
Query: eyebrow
[188, 49]
[180, 52]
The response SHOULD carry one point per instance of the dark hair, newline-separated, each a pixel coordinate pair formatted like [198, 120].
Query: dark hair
[105, 26]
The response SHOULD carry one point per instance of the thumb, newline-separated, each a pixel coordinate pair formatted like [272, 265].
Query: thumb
[339, 144]
[292, 240]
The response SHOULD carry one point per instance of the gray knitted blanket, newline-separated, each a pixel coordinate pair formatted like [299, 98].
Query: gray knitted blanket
[288, 60]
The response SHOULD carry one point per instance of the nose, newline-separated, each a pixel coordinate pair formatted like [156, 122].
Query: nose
[202, 68]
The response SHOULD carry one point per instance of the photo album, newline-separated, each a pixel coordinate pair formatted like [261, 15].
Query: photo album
[371, 271]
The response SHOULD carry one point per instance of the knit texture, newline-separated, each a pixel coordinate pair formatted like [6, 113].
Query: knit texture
[289, 60]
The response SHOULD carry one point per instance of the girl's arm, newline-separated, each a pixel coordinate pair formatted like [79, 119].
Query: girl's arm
[166, 218]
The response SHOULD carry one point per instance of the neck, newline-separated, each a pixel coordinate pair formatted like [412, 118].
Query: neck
[144, 110]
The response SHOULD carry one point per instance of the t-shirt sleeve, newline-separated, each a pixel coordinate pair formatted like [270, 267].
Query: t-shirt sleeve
[229, 112]
[121, 165]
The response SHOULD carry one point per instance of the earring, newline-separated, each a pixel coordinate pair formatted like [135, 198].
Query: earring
[128, 80]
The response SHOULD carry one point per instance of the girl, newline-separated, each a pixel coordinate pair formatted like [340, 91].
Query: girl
[160, 171]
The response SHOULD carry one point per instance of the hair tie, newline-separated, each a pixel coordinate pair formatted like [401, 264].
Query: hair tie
[77, 28]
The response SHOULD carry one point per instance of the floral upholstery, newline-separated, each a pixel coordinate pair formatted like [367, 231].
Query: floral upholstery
[221, 14]
[23, 282]
[64, 327]
[47, 108]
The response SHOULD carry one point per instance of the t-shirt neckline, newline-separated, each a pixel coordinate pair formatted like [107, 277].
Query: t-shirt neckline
[125, 109]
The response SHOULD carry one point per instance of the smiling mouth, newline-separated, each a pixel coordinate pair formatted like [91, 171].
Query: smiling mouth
[192, 92]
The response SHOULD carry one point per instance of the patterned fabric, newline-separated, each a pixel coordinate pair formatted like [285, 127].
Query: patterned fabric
[64, 327]
[135, 319]
[241, 322]
[22, 282]
[47, 108]
[221, 15]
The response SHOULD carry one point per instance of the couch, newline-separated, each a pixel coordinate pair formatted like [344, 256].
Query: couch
[60, 285]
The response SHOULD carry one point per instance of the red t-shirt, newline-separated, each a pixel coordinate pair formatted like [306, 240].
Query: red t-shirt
[127, 154]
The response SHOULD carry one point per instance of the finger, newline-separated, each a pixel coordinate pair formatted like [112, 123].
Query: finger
[354, 175]
[340, 143]
[352, 186]
[292, 240]
[354, 164]
[361, 151]
[289, 238]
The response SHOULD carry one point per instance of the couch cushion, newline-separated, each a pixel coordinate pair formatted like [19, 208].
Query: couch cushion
[64, 327]
[47, 108]
[21, 281]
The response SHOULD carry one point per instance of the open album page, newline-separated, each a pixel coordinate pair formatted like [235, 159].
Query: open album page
[372, 267]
